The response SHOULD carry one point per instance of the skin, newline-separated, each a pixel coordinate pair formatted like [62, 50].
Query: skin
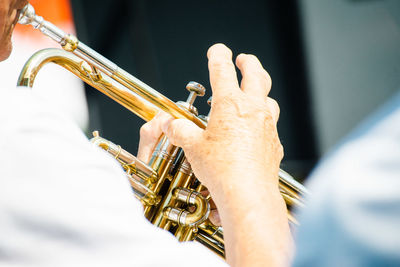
[237, 157]
[9, 13]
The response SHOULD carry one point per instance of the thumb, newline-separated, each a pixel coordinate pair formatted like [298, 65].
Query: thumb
[181, 132]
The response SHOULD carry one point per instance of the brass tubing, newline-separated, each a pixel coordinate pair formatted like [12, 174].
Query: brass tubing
[183, 217]
[213, 231]
[85, 72]
[284, 188]
[184, 233]
[213, 245]
[286, 179]
[128, 161]
[292, 219]
[139, 174]
[161, 162]
[291, 201]
[142, 192]
[182, 178]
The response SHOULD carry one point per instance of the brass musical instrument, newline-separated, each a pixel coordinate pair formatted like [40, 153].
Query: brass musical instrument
[166, 185]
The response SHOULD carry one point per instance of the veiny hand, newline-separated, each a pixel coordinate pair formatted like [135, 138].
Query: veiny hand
[241, 136]
[237, 157]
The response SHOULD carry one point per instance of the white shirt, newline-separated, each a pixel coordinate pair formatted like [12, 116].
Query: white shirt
[64, 202]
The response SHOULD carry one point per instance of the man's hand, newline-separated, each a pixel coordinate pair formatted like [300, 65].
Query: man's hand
[241, 136]
[237, 157]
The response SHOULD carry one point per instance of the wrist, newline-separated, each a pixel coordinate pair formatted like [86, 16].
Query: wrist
[245, 188]
[261, 206]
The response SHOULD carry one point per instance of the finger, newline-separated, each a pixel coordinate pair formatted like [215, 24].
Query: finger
[222, 71]
[150, 133]
[182, 133]
[274, 109]
[214, 217]
[255, 80]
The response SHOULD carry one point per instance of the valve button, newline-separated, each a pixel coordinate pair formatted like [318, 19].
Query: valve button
[196, 88]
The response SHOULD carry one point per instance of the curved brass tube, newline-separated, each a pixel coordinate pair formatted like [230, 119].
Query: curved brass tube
[129, 162]
[89, 75]
[183, 217]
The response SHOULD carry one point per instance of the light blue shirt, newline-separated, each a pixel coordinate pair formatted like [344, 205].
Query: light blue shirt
[353, 214]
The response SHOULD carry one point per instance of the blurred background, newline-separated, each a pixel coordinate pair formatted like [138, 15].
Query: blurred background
[332, 62]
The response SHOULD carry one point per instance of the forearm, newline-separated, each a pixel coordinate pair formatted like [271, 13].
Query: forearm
[254, 218]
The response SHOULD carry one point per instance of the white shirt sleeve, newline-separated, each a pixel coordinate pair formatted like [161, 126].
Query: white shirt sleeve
[64, 202]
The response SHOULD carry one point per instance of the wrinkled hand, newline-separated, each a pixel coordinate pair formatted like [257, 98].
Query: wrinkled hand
[241, 136]
[237, 157]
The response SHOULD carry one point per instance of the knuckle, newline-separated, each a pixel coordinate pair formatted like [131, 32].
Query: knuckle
[267, 77]
[145, 130]
[175, 123]
[253, 63]
[220, 64]
[280, 150]
[267, 116]
[275, 105]
[174, 130]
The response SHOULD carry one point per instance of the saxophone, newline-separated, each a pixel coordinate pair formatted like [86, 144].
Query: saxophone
[166, 186]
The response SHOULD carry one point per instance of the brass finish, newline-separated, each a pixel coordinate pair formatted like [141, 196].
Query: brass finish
[166, 186]
[186, 218]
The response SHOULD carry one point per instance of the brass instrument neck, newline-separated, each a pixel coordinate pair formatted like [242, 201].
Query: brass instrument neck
[153, 99]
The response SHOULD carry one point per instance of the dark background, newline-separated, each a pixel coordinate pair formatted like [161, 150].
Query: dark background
[164, 44]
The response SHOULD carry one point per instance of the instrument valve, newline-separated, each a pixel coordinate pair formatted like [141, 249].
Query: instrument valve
[195, 90]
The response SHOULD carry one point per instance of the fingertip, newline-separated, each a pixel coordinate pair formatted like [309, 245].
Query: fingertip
[219, 49]
[215, 217]
[144, 130]
[239, 59]
[249, 60]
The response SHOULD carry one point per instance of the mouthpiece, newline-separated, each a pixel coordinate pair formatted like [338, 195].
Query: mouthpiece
[27, 15]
